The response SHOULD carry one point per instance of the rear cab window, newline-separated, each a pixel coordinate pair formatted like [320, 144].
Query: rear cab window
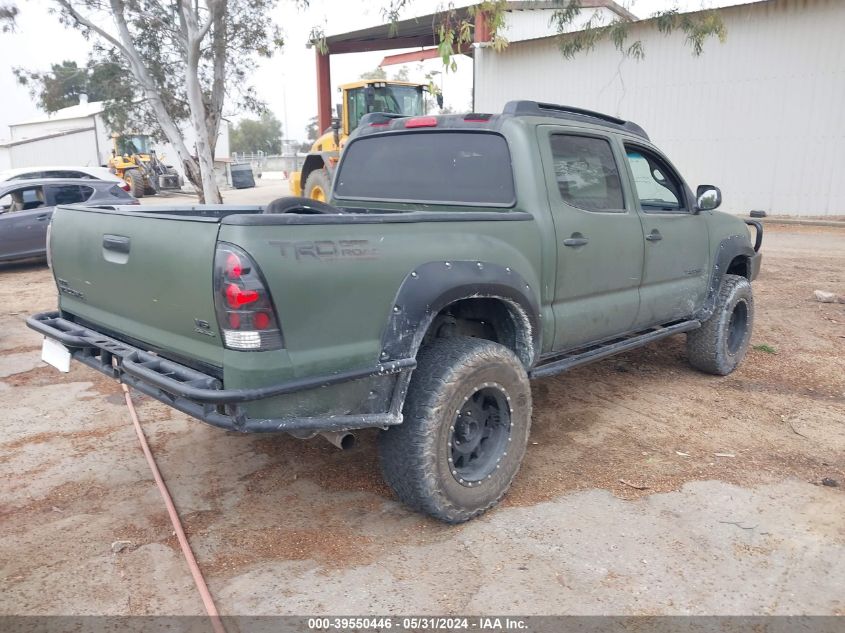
[465, 168]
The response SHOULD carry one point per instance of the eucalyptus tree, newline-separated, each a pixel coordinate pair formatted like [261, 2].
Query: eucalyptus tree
[182, 59]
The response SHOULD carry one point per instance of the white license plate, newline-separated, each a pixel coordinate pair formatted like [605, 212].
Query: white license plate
[55, 354]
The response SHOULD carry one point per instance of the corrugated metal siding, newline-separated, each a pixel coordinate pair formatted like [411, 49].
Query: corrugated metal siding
[34, 129]
[77, 148]
[762, 115]
[529, 24]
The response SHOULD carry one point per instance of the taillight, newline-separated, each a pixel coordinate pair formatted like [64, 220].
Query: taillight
[246, 315]
[49, 234]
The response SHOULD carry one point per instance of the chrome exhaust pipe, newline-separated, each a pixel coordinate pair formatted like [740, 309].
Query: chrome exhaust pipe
[344, 440]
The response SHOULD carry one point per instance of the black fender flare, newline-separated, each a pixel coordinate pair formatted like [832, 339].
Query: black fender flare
[729, 249]
[429, 288]
[317, 160]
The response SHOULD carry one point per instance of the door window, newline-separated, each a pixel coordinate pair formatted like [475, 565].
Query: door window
[586, 173]
[659, 189]
[22, 200]
[69, 194]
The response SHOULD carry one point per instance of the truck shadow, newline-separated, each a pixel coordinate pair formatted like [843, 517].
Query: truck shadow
[26, 265]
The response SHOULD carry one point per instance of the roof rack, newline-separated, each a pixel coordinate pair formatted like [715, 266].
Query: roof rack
[538, 108]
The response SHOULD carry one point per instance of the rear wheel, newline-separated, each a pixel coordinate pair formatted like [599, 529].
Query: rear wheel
[135, 180]
[318, 185]
[466, 422]
[721, 342]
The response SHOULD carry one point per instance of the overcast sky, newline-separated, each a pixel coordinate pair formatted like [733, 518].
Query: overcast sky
[287, 82]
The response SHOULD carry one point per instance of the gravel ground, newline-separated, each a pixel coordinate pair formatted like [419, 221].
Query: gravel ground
[282, 526]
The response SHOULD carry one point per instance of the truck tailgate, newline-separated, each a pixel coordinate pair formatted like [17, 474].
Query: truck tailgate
[142, 275]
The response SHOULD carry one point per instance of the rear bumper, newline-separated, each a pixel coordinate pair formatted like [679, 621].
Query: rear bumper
[202, 396]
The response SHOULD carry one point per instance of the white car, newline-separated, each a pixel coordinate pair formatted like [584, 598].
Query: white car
[61, 171]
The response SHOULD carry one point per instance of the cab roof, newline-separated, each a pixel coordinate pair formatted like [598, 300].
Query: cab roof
[383, 122]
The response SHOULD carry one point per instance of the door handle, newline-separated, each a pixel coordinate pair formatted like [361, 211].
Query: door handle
[41, 218]
[576, 240]
[654, 236]
[116, 243]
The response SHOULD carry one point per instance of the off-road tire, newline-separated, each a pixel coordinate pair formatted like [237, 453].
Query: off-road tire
[415, 455]
[720, 344]
[135, 179]
[317, 178]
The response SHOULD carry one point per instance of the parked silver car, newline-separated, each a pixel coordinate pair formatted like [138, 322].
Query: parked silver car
[26, 207]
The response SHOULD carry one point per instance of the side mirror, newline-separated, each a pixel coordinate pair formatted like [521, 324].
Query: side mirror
[336, 130]
[707, 198]
[439, 98]
[338, 107]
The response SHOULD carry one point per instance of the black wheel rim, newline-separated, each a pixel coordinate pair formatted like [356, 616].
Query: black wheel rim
[479, 435]
[737, 327]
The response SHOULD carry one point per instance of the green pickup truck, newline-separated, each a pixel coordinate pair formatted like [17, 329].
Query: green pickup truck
[461, 256]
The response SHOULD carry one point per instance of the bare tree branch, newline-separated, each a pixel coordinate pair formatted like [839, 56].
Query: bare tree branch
[81, 19]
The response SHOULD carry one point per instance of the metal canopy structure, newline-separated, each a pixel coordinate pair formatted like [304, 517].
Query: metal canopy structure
[418, 32]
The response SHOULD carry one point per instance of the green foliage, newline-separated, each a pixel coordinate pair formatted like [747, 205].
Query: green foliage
[227, 61]
[768, 349]
[8, 15]
[376, 73]
[62, 85]
[312, 132]
[380, 73]
[698, 27]
[257, 135]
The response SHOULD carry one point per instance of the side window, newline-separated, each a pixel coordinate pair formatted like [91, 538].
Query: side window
[658, 188]
[22, 200]
[357, 107]
[69, 194]
[6, 203]
[117, 192]
[586, 173]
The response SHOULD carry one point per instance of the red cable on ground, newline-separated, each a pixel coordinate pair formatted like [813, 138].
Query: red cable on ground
[207, 600]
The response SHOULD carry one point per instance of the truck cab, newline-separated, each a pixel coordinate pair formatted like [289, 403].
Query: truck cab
[461, 256]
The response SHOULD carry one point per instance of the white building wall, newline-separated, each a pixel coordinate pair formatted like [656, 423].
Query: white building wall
[527, 24]
[762, 115]
[75, 148]
[22, 131]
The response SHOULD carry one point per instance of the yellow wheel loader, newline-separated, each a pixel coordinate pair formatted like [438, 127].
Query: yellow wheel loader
[358, 98]
[135, 161]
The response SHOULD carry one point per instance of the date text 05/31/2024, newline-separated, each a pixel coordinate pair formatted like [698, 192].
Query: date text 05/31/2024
[430, 623]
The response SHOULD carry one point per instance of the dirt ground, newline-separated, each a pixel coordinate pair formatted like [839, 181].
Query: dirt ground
[732, 517]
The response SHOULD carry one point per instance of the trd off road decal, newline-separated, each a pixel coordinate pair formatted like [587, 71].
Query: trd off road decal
[66, 289]
[326, 250]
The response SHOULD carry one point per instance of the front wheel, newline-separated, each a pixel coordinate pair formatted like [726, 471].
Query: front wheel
[466, 421]
[135, 180]
[721, 342]
[318, 185]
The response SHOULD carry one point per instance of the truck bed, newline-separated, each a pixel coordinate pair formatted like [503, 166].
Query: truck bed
[143, 278]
